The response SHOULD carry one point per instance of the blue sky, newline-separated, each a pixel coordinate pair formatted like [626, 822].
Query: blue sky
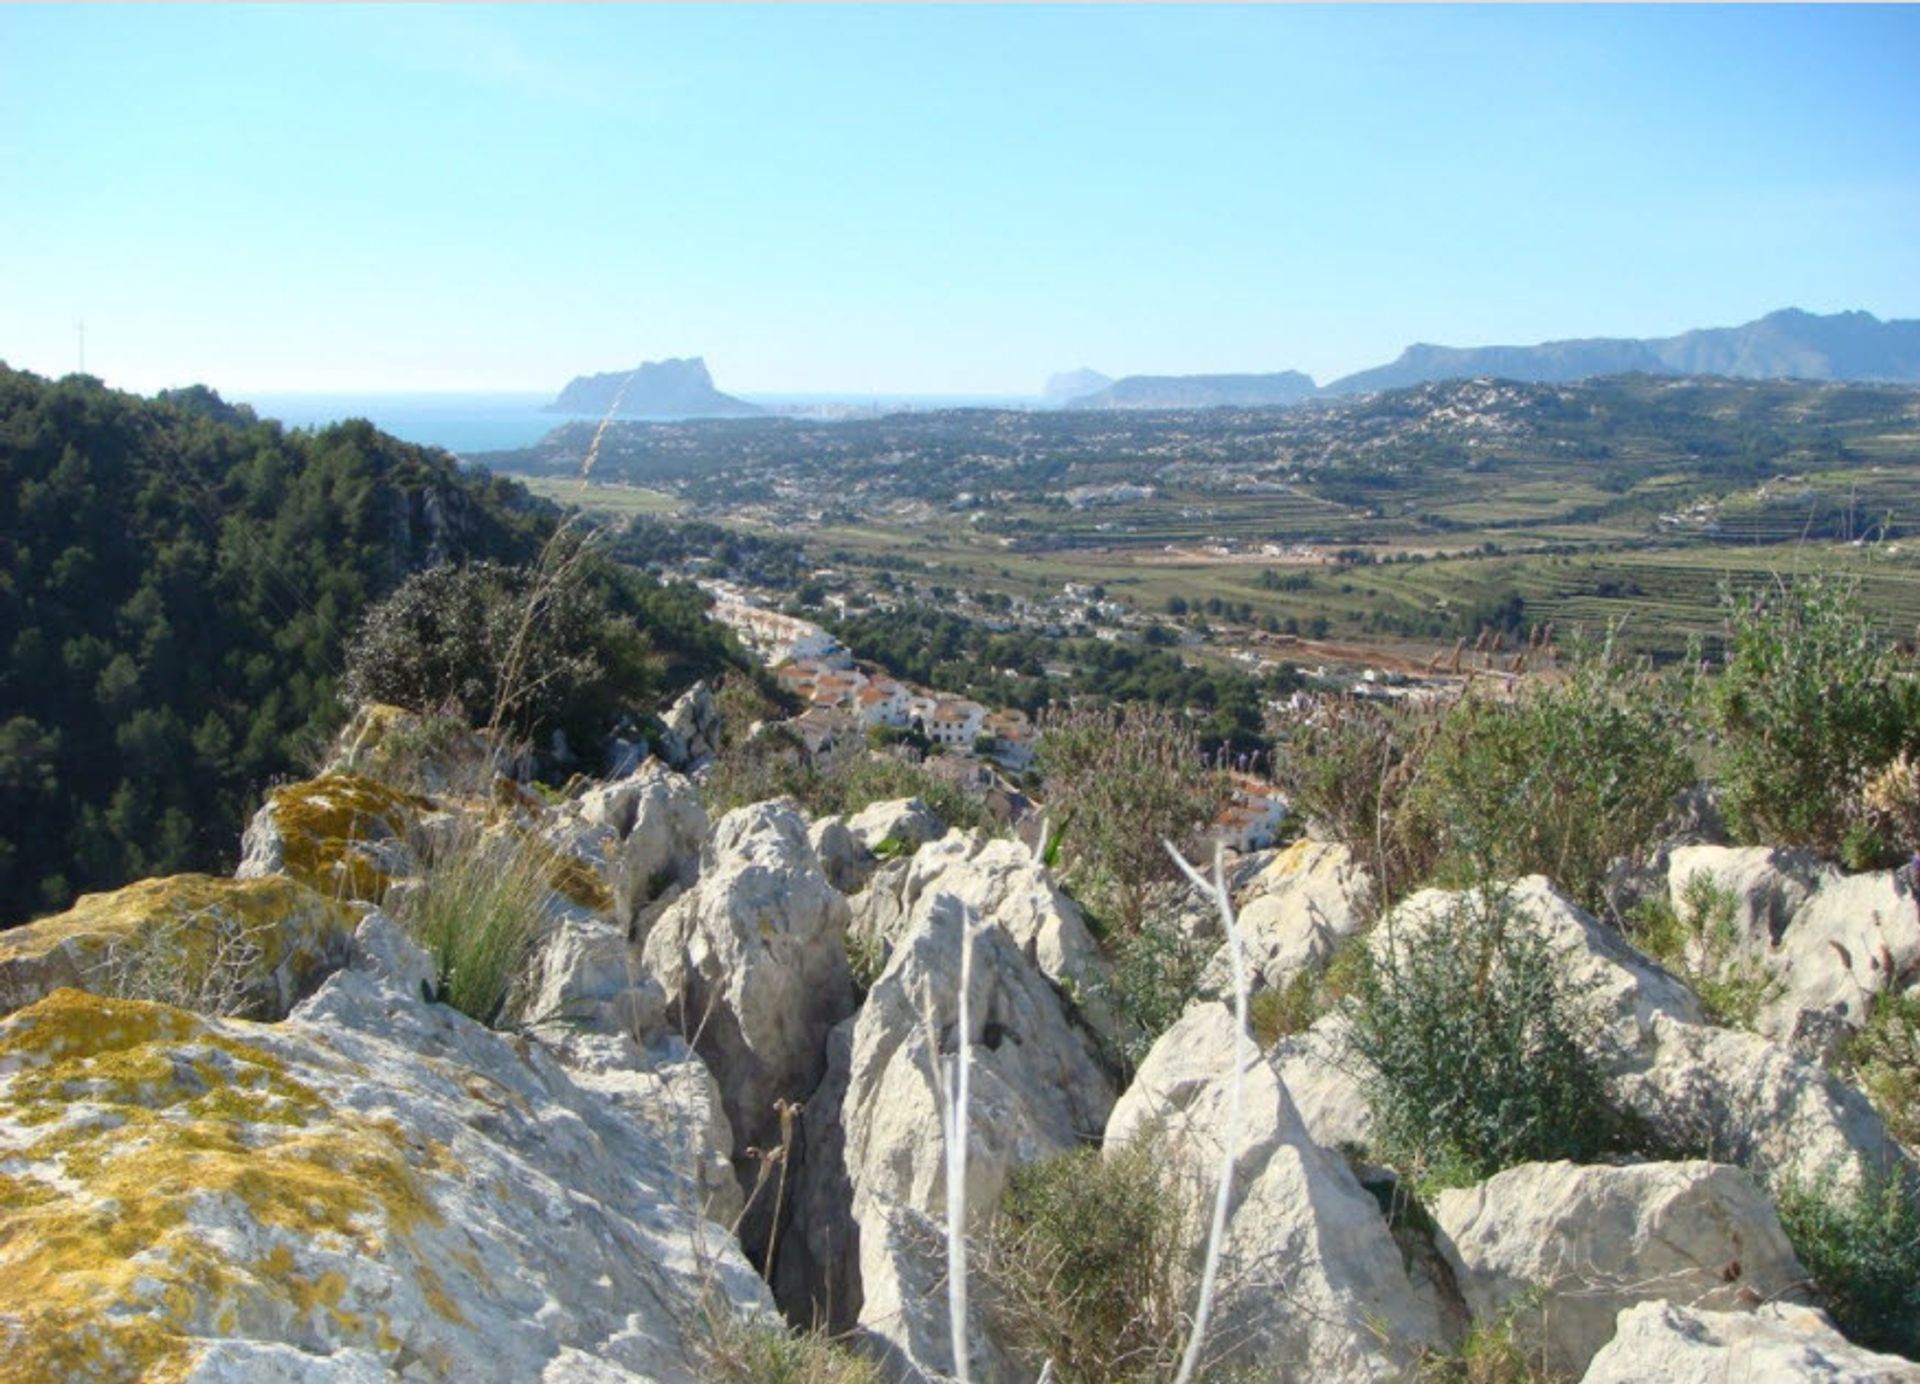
[928, 199]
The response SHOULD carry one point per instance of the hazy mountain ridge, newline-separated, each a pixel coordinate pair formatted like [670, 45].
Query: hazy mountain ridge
[678, 388]
[1788, 344]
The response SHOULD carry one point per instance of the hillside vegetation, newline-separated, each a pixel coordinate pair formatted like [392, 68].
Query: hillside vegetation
[178, 583]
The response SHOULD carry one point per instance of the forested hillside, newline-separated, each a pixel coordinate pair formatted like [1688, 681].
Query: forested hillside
[178, 580]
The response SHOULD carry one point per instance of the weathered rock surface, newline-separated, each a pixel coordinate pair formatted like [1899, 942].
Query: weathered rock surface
[344, 835]
[374, 1187]
[1323, 1078]
[644, 833]
[1001, 882]
[1036, 1091]
[753, 963]
[690, 734]
[1738, 1098]
[1297, 912]
[907, 821]
[1564, 1248]
[249, 946]
[1833, 941]
[1676, 1344]
[1314, 1287]
[846, 862]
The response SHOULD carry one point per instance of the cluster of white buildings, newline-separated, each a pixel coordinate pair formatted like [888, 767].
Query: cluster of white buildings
[1251, 819]
[832, 690]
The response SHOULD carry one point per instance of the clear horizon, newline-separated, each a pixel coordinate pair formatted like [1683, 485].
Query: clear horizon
[927, 201]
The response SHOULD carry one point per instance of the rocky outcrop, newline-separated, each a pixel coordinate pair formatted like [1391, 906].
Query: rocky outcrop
[1677, 1344]
[1003, 884]
[1314, 1287]
[375, 1187]
[907, 823]
[1558, 1250]
[690, 731]
[1037, 1091]
[644, 833]
[1323, 1076]
[753, 964]
[249, 947]
[1831, 941]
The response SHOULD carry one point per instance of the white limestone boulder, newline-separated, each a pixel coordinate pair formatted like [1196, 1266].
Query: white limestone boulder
[1037, 1091]
[1559, 1249]
[1677, 1344]
[1306, 901]
[1313, 1285]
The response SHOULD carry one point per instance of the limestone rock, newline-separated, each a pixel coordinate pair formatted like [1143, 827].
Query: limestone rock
[907, 821]
[1298, 910]
[343, 835]
[1037, 1092]
[1676, 1344]
[1004, 885]
[1314, 1287]
[690, 735]
[1323, 1078]
[1736, 1097]
[753, 963]
[437, 754]
[1833, 941]
[375, 1184]
[1567, 1247]
[585, 975]
[250, 946]
[644, 833]
[846, 862]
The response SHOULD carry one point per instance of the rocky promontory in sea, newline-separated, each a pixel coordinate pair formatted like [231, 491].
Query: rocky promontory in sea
[654, 389]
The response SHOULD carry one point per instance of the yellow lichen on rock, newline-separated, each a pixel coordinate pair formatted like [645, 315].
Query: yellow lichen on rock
[252, 943]
[160, 1129]
[326, 825]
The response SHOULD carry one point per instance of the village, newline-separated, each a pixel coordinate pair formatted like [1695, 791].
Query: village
[844, 702]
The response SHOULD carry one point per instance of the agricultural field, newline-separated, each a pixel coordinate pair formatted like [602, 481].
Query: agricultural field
[1408, 519]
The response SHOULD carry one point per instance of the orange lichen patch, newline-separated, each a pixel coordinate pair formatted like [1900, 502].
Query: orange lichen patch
[324, 822]
[435, 1293]
[579, 882]
[190, 922]
[1293, 859]
[160, 1127]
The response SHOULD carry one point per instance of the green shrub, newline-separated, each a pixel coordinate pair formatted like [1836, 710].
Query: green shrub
[1350, 769]
[517, 649]
[1883, 1060]
[1120, 784]
[1086, 1265]
[1155, 971]
[1861, 1242]
[1812, 700]
[1561, 780]
[1701, 942]
[1293, 1008]
[477, 909]
[1476, 1048]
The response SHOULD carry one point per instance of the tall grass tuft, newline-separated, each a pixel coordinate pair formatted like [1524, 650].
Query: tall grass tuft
[477, 911]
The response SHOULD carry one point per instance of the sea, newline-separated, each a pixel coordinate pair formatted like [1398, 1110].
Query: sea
[468, 424]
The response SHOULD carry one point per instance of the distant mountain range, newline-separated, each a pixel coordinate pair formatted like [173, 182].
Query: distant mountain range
[1789, 344]
[655, 389]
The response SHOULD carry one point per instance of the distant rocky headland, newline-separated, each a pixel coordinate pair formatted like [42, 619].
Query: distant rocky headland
[655, 389]
[1789, 344]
